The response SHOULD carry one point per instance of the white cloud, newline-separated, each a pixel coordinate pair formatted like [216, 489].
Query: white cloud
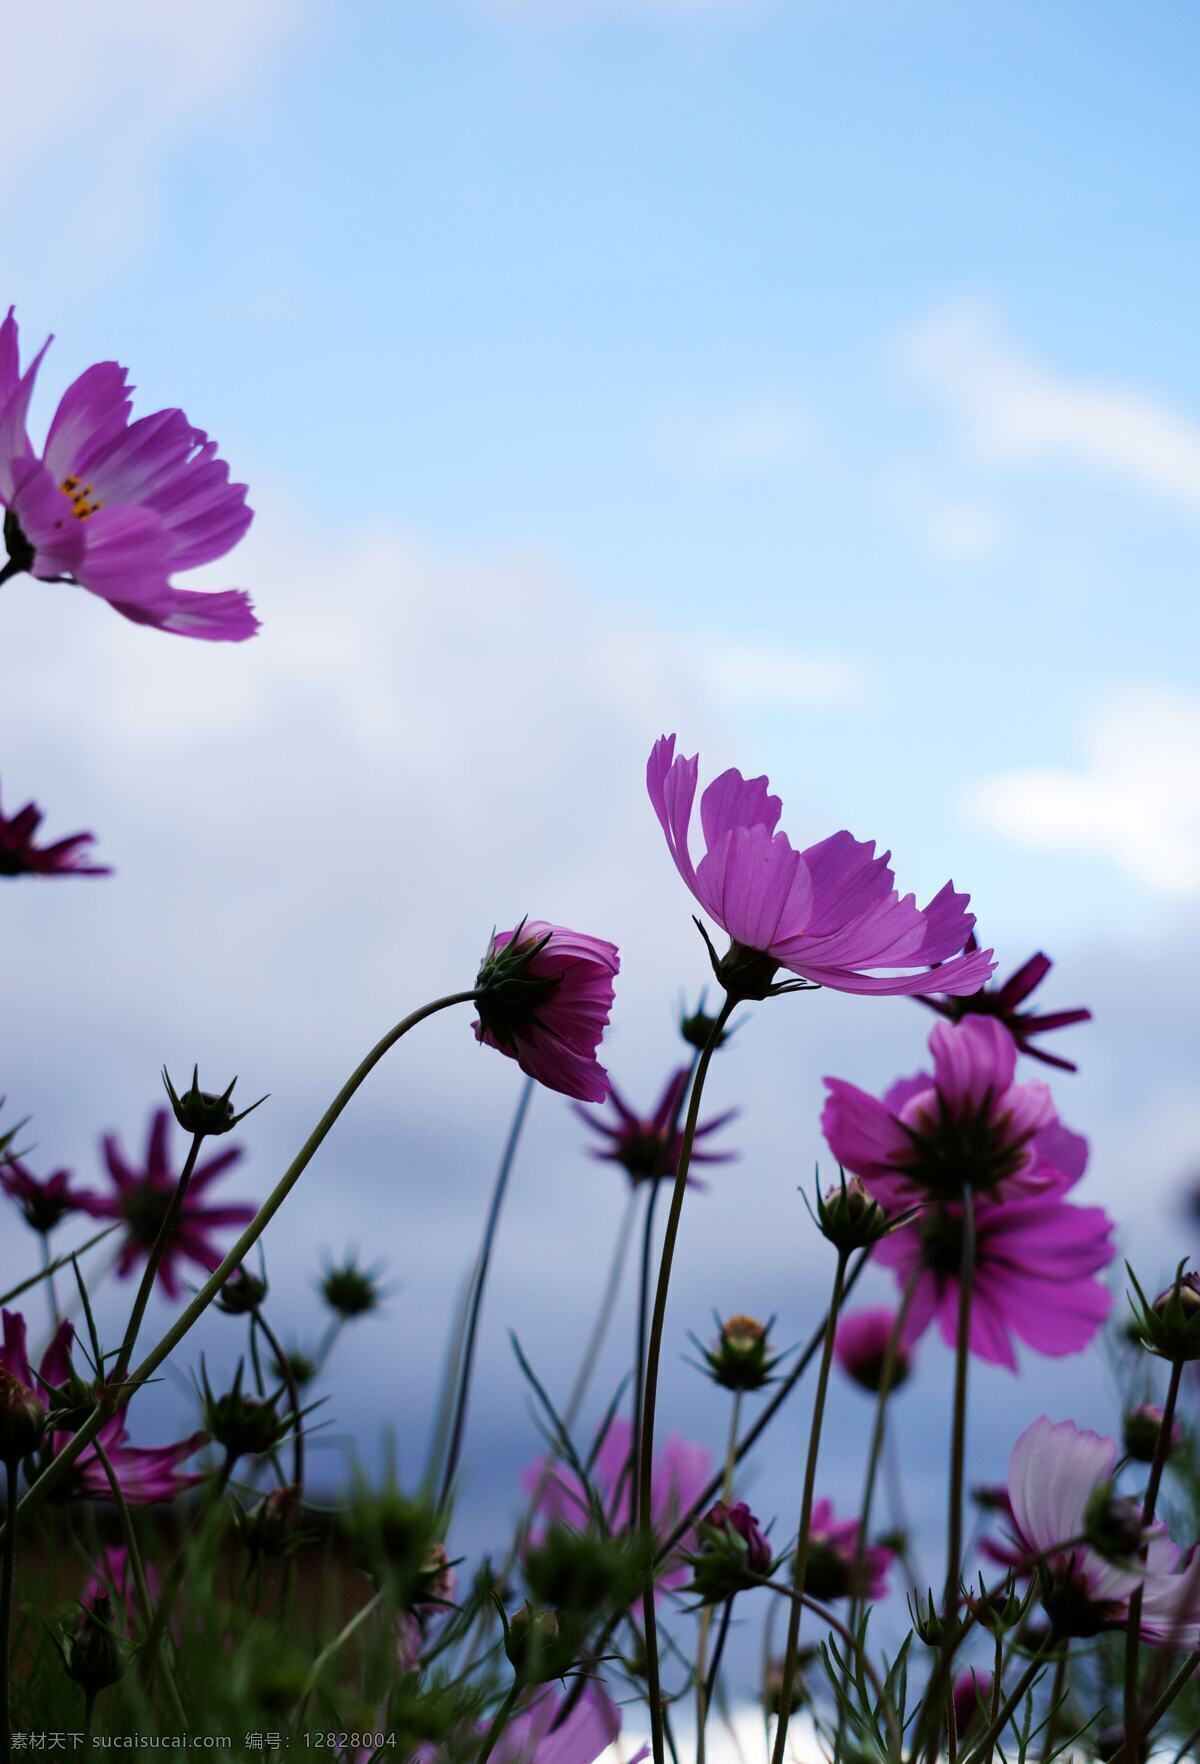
[1134, 801]
[757, 438]
[95, 100]
[956, 529]
[1015, 410]
[742, 675]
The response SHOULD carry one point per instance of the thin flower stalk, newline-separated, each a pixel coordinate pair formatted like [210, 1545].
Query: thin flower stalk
[958, 1453]
[154, 1260]
[853, 1646]
[8, 1564]
[800, 1565]
[983, 1746]
[141, 1588]
[191, 1314]
[653, 1357]
[1132, 1722]
[54, 1267]
[705, 1680]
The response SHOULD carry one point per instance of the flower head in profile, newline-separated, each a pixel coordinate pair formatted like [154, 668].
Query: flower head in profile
[1036, 1262]
[1004, 1003]
[1059, 1477]
[544, 995]
[143, 1194]
[733, 1553]
[118, 507]
[647, 1147]
[833, 1553]
[146, 1474]
[44, 1200]
[831, 914]
[20, 856]
[680, 1473]
[861, 1346]
[966, 1122]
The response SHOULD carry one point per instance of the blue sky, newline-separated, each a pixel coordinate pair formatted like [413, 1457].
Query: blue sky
[819, 380]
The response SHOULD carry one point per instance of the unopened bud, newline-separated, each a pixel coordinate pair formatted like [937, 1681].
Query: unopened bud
[1141, 1430]
[92, 1655]
[22, 1419]
[203, 1112]
[851, 1218]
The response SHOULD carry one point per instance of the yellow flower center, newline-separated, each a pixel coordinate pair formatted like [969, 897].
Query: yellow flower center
[79, 495]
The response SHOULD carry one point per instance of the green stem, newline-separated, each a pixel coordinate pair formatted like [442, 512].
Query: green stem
[499, 1722]
[983, 1746]
[166, 1232]
[6, 1604]
[499, 1191]
[284, 1366]
[800, 1563]
[645, 1466]
[1131, 1723]
[704, 1684]
[630, 1468]
[331, 1648]
[116, 1399]
[48, 1276]
[958, 1456]
[141, 1588]
[852, 1644]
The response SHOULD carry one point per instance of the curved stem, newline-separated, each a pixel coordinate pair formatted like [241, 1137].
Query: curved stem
[166, 1232]
[1131, 1723]
[714, 1669]
[331, 1648]
[14, 1292]
[800, 1563]
[499, 1722]
[459, 1422]
[650, 1401]
[983, 1746]
[849, 1641]
[141, 1588]
[79, 1442]
[7, 1573]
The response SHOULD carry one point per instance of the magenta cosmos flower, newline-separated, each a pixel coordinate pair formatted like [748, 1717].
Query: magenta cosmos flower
[44, 1200]
[965, 1123]
[1004, 1003]
[19, 856]
[647, 1147]
[680, 1473]
[1036, 1259]
[536, 1735]
[144, 1193]
[861, 1346]
[145, 1473]
[1058, 1475]
[830, 914]
[118, 507]
[544, 998]
[832, 1554]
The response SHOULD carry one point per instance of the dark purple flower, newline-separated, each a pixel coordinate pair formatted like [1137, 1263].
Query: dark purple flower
[833, 1551]
[861, 1347]
[145, 1474]
[19, 856]
[739, 1520]
[544, 998]
[118, 507]
[830, 914]
[44, 1200]
[144, 1194]
[647, 1147]
[1004, 1002]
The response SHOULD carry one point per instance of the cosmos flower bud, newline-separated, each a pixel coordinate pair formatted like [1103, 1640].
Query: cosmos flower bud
[395, 1536]
[1141, 1429]
[22, 1419]
[1170, 1327]
[850, 1217]
[202, 1112]
[734, 1554]
[1113, 1524]
[351, 1291]
[302, 1367]
[242, 1293]
[269, 1527]
[536, 1648]
[244, 1426]
[999, 1609]
[773, 1687]
[741, 1359]
[93, 1655]
[584, 1574]
[928, 1624]
[697, 1026]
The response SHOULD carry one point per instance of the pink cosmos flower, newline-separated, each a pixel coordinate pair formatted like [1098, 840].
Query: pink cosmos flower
[143, 1195]
[1004, 1002]
[966, 1122]
[145, 1474]
[861, 1347]
[118, 507]
[545, 994]
[832, 1552]
[19, 856]
[1036, 1259]
[680, 1474]
[1056, 1475]
[648, 1147]
[531, 1736]
[829, 914]
[44, 1200]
